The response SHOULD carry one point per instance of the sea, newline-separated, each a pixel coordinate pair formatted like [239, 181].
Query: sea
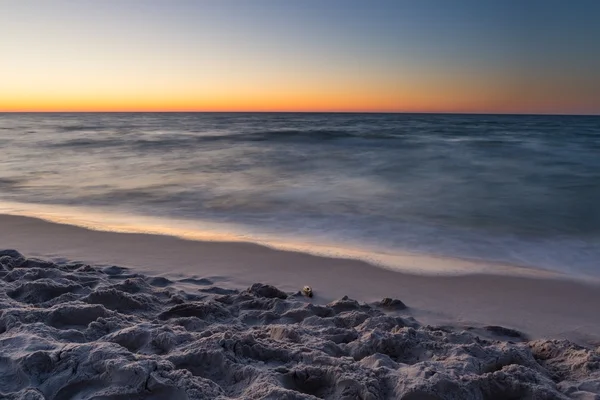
[495, 191]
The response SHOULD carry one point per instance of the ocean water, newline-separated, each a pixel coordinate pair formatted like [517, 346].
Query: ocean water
[507, 190]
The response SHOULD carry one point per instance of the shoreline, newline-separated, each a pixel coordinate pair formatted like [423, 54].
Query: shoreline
[540, 307]
[404, 261]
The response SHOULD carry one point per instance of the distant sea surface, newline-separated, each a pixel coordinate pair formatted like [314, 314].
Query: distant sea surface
[515, 190]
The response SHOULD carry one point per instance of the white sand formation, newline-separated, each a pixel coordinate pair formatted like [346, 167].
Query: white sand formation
[75, 331]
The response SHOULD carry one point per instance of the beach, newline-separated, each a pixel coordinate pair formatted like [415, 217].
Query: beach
[543, 306]
[160, 256]
[299, 200]
[192, 319]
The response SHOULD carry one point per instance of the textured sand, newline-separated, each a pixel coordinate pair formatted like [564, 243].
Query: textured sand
[74, 331]
[541, 307]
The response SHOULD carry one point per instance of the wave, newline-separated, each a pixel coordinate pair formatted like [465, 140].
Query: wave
[75, 128]
[87, 143]
[314, 134]
[305, 136]
[9, 183]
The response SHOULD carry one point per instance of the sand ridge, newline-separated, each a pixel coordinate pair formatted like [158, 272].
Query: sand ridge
[71, 330]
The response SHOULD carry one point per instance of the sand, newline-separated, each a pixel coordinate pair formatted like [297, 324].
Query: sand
[542, 307]
[102, 315]
[73, 331]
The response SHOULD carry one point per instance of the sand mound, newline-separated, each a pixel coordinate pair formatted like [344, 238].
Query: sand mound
[77, 331]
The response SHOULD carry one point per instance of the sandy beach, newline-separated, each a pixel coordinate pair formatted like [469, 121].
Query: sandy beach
[189, 319]
[299, 200]
[541, 307]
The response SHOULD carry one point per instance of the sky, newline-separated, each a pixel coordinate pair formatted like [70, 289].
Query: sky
[496, 56]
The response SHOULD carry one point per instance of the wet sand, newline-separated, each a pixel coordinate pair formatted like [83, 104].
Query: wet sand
[540, 307]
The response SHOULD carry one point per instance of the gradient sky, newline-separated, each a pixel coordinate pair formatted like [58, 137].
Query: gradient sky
[523, 56]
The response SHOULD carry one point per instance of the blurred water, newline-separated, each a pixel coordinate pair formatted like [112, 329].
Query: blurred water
[516, 189]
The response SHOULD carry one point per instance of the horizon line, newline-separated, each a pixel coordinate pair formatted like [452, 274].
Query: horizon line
[304, 112]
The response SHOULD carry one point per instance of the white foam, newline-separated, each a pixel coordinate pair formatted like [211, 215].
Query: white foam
[97, 218]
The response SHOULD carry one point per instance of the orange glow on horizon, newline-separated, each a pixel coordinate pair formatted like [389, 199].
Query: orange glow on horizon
[369, 95]
[416, 101]
[292, 106]
[245, 93]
